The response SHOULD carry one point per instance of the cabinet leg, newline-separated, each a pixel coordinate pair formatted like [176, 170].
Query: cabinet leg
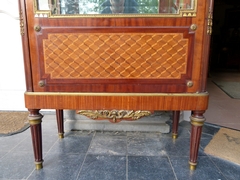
[197, 121]
[60, 124]
[35, 120]
[176, 115]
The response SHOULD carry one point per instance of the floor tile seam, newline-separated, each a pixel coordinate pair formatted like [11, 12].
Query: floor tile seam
[209, 157]
[106, 154]
[44, 156]
[11, 179]
[161, 156]
[169, 160]
[31, 174]
[126, 167]
[47, 152]
[128, 154]
[11, 150]
[81, 167]
[201, 147]
[127, 147]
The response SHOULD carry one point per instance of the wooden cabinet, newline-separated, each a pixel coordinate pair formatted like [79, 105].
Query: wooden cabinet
[116, 55]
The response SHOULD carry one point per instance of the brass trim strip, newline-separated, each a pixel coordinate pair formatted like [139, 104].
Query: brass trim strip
[113, 94]
[48, 14]
[192, 166]
[60, 135]
[38, 165]
[174, 135]
[210, 18]
[210, 23]
[197, 121]
[35, 122]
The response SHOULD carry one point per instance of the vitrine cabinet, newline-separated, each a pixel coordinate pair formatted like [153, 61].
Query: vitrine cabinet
[116, 59]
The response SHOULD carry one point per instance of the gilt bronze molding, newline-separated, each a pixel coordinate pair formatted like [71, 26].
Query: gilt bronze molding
[114, 115]
[54, 12]
[21, 23]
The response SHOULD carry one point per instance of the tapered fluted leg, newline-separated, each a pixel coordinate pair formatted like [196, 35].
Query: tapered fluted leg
[197, 121]
[35, 120]
[176, 115]
[60, 124]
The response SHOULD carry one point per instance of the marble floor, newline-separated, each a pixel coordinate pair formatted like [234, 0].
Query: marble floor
[86, 155]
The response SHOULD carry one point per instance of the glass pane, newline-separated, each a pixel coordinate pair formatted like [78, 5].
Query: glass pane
[115, 6]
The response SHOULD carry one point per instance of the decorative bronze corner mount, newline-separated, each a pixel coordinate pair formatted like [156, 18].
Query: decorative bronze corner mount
[114, 115]
[210, 20]
[21, 23]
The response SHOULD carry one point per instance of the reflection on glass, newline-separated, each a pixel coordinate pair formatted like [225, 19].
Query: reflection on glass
[119, 6]
[114, 6]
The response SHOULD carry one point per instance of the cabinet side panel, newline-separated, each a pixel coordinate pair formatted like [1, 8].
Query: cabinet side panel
[25, 45]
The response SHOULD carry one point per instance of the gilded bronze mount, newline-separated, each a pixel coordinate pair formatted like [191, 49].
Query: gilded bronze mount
[114, 115]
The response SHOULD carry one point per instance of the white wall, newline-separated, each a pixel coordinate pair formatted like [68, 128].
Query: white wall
[12, 80]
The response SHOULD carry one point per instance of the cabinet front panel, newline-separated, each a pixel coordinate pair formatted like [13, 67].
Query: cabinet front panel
[136, 59]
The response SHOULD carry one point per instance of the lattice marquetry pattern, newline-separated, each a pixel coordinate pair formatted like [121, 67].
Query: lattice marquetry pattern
[115, 55]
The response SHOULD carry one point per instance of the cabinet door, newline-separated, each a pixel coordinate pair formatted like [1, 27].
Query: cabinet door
[127, 52]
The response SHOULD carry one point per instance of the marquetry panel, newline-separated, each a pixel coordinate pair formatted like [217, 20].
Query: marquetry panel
[115, 55]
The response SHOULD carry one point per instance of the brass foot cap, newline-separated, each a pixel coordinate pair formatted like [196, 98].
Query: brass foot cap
[192, 166]
[38, 165]
[174, 136]
[61, 135]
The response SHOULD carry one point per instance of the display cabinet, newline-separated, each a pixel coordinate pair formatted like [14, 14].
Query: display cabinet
[116, 59]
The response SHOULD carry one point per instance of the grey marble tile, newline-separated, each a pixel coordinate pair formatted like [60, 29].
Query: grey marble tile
[106, 158]
[184, 129]
[3, 153]
[176, 147]
[145, 167]
[185, 124]
[230, 170]
[145, 145]
[16, 165]
[207, 129]
[103, 167]
[59, 166]
[49, 127]
[111, 145]
[72, 144]
[144, 134]
[204, 142]
[179, 147]
[210, 129]
[111, 133]
[10, 142]
[26, 145]
[205, 170]
[183, 132]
